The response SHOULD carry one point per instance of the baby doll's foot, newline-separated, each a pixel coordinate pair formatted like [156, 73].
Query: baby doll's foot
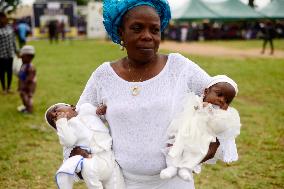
[185, 174]
[168, 173]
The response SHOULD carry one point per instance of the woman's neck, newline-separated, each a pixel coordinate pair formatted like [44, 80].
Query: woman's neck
[137, 71]
[141, 65]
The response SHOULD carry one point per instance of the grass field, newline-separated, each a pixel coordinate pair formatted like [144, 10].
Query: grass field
[252, 44]
[30, 153]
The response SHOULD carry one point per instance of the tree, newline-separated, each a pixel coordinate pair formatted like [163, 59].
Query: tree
[251, 3]
[84, 2]
[8, 6]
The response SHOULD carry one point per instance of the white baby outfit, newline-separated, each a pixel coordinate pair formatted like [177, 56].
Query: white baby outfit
[89, 132]
[138, 123]
[195, 128]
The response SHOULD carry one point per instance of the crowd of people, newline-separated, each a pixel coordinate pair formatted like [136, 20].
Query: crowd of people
[56, 30]
[194, 31]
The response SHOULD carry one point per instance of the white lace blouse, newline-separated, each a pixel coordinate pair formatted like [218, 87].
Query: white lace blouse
[139, 113]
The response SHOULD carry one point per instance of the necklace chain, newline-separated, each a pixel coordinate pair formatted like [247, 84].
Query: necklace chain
[132, 75]
[135, 90]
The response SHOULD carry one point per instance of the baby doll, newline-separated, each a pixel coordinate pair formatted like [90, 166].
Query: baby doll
[85, 129]
[202, 120]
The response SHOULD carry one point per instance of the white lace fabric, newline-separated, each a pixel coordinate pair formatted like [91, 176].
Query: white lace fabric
[139, 123]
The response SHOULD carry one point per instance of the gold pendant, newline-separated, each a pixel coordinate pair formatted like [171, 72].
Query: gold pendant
[135, 90]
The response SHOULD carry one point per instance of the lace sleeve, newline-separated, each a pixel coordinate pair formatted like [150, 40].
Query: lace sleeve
[89, 94]
[226, 152]
[197, 78]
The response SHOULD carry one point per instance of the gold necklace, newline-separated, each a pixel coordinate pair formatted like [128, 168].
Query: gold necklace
[129, 71]
[135, 90]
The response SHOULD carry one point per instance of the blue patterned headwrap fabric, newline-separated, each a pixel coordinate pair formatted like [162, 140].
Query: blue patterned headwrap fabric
[114, 10]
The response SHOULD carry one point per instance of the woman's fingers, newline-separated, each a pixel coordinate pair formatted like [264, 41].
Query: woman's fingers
[78, 151]
[101, 110]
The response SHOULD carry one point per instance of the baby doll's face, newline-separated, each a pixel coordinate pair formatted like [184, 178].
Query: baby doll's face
[220, 94]
[68, 111]
[61, 111]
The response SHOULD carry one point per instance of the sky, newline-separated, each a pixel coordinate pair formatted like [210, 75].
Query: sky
[175, 3]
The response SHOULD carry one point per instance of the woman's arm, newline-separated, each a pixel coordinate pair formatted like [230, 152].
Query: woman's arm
[79, 151]
[197, 78]
[212, 150]
[89, 94]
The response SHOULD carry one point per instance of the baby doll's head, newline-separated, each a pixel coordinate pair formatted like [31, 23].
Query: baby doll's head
[56, 111]
[27, 54]
[220, 91]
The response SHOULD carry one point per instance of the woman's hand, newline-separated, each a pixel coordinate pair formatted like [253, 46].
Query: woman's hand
[101, 109]
[212, 150]
[79, 151]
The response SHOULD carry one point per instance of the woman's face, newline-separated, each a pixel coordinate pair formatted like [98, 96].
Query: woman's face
[141, 33]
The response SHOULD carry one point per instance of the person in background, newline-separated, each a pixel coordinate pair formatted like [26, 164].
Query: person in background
[53, 31]
[27, 79]
[23, 29]
[268, 35]
[183, 33]
[62, 30]
[8, 50]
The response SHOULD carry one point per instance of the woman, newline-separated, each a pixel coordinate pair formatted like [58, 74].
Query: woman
[142, 91]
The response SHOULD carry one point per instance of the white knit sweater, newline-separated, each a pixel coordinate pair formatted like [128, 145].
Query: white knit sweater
[139, 123]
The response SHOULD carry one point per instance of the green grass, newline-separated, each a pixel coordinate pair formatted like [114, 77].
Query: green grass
[30, 153]
[243, 44]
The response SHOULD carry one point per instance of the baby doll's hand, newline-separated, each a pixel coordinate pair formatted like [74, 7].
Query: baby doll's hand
[101, 109]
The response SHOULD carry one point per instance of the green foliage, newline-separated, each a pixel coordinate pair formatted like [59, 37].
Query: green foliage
[84, 2]
[251, 3]
[30, 152]
[8, 6]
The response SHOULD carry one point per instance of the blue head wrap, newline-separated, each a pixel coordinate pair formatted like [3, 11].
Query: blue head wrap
[114, 10]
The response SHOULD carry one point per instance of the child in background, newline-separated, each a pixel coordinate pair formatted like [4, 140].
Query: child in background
[27, 79]
[202, 121]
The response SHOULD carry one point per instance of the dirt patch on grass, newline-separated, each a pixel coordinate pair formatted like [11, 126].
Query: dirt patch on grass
[217, 51]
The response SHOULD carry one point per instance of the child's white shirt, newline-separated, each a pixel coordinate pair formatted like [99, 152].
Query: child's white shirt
[196, 127]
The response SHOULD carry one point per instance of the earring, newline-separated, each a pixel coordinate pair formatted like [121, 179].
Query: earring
[121, 45]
